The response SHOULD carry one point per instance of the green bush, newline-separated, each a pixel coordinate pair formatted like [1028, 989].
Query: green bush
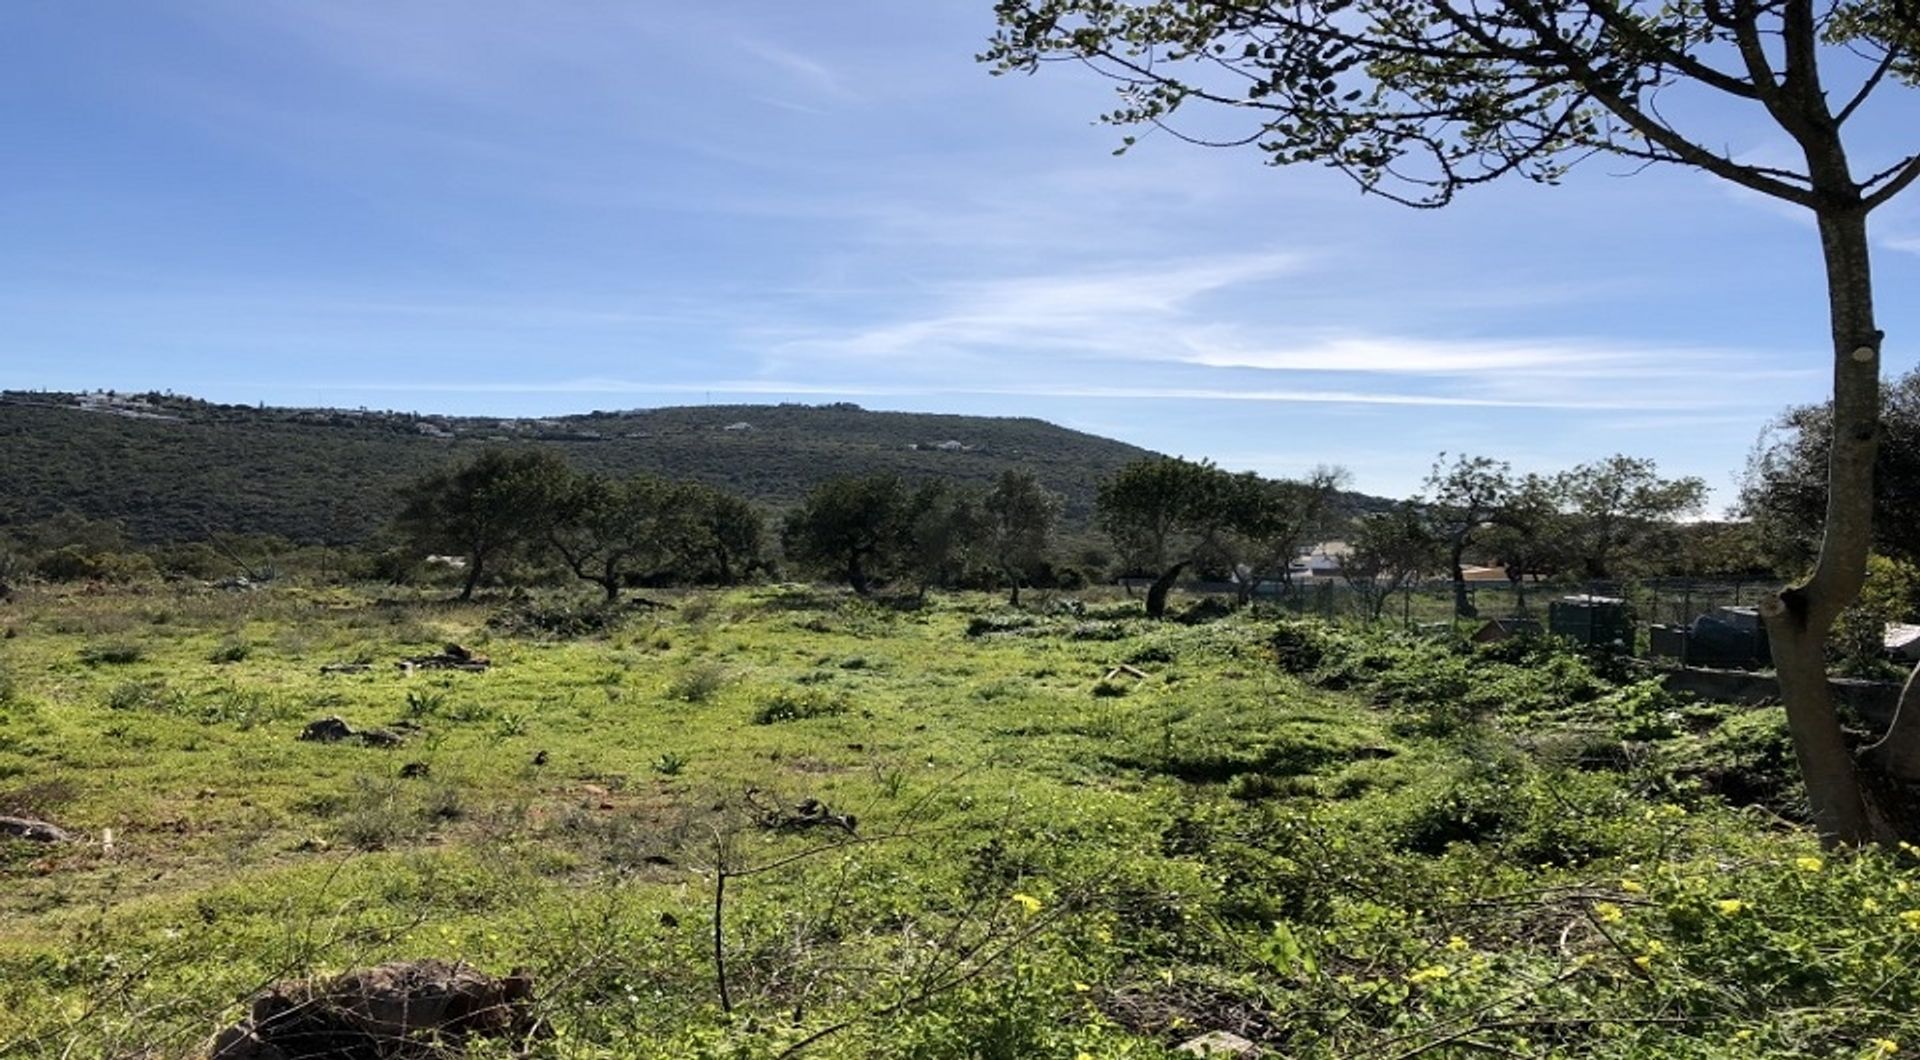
[140, 695]
[111, 653]
[563, 621]
[1858, 645]
[984, 625]
[72, 563]
[798, 705]
[698, 683]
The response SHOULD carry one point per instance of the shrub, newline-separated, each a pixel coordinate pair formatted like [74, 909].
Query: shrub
[697, 683]
[71, 564]
[111, 653]
[1645, 711]
[1100, 631]
[987, 625]
[140, 695]
[231, 650]
[559, 621]
[798, 705]
[1255, 787]
[1480, 806]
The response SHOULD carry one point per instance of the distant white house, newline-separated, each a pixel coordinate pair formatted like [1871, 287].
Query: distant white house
[951, 446]
[1322, 560]
[741, 425]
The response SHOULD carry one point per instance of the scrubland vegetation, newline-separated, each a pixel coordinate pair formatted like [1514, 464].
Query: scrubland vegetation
[925, 829]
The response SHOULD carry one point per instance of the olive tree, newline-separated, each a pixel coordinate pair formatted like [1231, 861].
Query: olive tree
[1160, 512]
[1416, 101]
[855, 526]
[613, 531]
[729, 534]
[1020, 517]
[1462, 500]
[1269, 521]
[483, 510]
[1389, 552]
[1619, 504]
[1529, 533]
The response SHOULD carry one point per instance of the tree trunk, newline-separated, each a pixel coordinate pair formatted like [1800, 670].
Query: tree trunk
[1013, 592]
[857, 575]
[1462, 606]
[1157, 595]
[1800, 616]
[474, 564]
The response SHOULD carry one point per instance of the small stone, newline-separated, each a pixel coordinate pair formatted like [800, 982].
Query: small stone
[1219, 1044]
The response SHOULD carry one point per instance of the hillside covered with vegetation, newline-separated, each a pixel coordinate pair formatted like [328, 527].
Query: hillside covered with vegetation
[176, 469]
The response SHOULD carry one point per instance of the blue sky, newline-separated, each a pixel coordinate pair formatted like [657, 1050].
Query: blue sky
[476, 206]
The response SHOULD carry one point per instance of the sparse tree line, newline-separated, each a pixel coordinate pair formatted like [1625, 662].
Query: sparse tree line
[613, 532]
[523, 516]
[1167, 517]
[1597, 521]
[504, 508]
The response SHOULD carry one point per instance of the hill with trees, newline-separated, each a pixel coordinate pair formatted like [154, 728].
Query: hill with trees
[174, 468]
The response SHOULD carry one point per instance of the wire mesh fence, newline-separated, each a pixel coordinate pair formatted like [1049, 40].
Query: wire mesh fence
[1692, 621]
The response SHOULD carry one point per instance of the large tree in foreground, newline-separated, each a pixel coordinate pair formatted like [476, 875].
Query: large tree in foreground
[1417, 100]
[1161, 512]
[484, 510]
[855, 526]
[615, 531]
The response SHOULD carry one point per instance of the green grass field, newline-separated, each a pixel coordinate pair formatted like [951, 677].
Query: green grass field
[1079, 834]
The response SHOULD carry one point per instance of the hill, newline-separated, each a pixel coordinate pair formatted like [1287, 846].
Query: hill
[172, 468]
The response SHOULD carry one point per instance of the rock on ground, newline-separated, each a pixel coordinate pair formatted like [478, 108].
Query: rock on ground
[383, 1013]
[38, 831]
[1222, 1045]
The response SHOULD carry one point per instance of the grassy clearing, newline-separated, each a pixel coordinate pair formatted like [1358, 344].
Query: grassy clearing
[1078, 833]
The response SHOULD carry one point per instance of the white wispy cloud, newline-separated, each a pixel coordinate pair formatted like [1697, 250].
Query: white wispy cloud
[1163, 327]
[1101, 310]
[812, 74]
[783, 387]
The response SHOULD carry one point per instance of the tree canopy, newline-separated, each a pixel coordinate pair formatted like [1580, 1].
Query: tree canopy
[855, 526]
[1784, 489]
[484, 509]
